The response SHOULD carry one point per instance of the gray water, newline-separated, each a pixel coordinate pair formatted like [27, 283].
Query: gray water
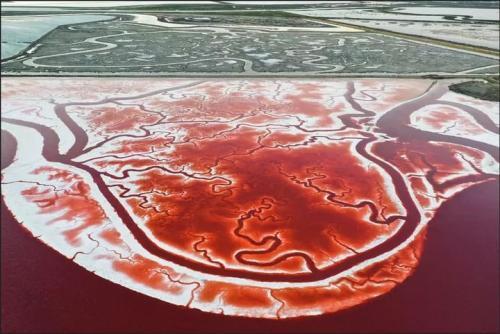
[20, 31]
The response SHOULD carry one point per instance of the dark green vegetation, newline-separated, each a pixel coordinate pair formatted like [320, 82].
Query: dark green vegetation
[484, 90]
[271, 18]
[218, 44]
[125, 46]
[223, 5]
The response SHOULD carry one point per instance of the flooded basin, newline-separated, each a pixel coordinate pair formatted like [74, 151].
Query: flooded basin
[262, 198]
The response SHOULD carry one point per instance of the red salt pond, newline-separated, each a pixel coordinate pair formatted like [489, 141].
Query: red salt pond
[256, 198]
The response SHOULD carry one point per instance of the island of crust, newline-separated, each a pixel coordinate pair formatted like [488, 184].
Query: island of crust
[250, 197]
